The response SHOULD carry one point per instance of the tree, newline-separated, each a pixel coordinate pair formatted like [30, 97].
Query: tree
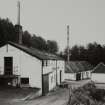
[7, 31]
[26, 39]
[93, 53]
[38, 42]
[82, 53]
[75, 52]
[103, 53]
[52, 46]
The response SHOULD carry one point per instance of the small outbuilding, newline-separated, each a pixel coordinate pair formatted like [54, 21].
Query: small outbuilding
[78, 70]
[98, 73]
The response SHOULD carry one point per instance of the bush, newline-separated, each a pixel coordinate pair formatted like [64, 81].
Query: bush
[87, 95]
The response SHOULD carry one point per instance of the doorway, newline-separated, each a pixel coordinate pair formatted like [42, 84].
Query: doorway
[78, 76]
[45, 87]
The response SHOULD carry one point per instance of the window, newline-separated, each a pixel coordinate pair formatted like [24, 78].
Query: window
[24, 80]
[45, 63]
[8, 65]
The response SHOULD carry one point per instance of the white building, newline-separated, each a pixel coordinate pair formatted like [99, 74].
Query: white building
[78, 70]
[28, 67]
[98, 74]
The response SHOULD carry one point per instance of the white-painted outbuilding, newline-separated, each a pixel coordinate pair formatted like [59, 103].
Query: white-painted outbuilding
[78, 70]
[98, 73]
[27, 67]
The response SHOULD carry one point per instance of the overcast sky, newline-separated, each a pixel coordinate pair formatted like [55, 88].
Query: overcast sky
[49, 19]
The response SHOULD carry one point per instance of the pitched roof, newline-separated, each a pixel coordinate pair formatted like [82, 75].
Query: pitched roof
[36, 53]
[78, 66]
[100, 68]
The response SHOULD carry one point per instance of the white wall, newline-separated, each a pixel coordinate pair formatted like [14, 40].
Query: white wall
[55, 65]
[86, 74]
[12, 52]
[70, 76]
[60, 67]
[52, 80]
[23, 64]
[58, 77]
[98, 77]
[31, 67]
[51, 66]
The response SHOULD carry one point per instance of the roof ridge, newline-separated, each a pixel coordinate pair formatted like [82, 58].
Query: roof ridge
[35, 52]
[101, 63]
[98, 65]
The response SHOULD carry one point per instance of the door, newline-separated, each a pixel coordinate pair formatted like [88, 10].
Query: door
[8, 65]
[60, 76]
[78, 76]
[45, 87]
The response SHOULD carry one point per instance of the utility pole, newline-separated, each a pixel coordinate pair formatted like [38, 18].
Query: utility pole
[68, 49]
[68, 60]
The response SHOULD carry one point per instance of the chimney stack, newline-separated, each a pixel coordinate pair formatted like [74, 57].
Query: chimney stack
[68, 49]
[18, 26]
[18, 16]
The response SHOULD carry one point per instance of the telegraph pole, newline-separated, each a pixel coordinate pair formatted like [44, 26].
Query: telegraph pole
[68, 60]
[68, 49]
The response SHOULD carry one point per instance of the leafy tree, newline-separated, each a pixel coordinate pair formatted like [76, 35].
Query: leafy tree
[26, 39]
[82, 53]
[52, 46]
[7, 31]
[38, 42]
[93, 52]
[75, 52]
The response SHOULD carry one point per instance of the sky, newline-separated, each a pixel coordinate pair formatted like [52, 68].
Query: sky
[49, 19]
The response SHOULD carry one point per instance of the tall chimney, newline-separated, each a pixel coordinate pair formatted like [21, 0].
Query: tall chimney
[68, 49]
[18, 26]
[18, 16]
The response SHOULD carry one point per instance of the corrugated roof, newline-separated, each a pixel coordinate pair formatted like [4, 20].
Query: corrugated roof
[100, 68]
[36, 53]
[78, 66]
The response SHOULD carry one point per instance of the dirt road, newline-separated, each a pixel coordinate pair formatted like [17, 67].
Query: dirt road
[58, 97]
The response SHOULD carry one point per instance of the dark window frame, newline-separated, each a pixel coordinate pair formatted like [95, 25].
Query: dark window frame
[8, 65]
[24, 80]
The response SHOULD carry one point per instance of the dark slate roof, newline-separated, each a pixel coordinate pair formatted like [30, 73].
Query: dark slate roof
[100, 68]
[36, 53]
[78, 66]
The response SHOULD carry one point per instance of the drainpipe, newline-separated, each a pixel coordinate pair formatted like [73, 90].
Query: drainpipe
[42, 77]
[56, 73]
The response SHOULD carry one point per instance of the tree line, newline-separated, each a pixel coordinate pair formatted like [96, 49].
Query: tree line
[93, 53]
[8, 33]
